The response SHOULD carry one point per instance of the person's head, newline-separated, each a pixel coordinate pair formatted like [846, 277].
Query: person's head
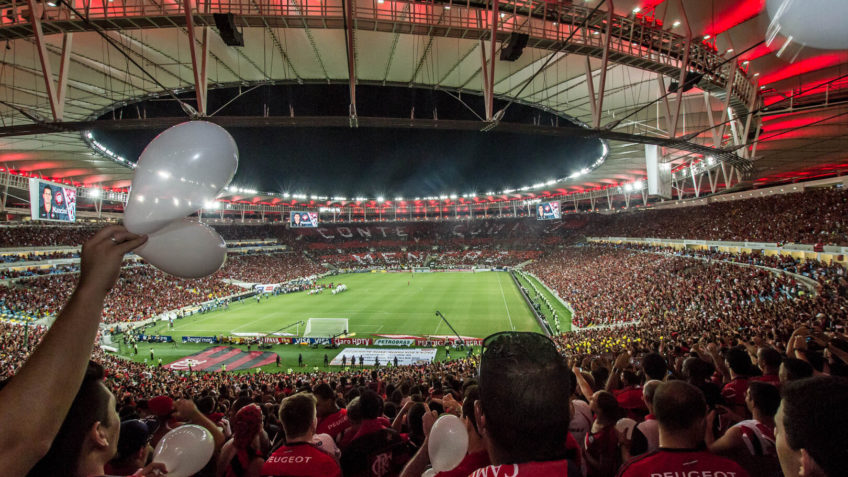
[763, 397]
[648, 391]
[415, 418]
[521, 410]
[326, 398]
[793, 369]
[605, 406]
[811, 427]
[298, 416]
[654, 366]
[738, 361]
[133, 445]
[768, 360]
[89, 433]
[246, 425]
[472, 394]
[372, 405]
[696, 370]
[296, 218]
[680, 409]
[46, 195]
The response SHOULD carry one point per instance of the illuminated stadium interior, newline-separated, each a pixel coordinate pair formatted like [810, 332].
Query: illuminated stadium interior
[587, 238]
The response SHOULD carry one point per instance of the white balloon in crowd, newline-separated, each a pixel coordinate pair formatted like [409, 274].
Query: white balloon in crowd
[178, 173]
[185, 450]
[185, 248]
[448, 443]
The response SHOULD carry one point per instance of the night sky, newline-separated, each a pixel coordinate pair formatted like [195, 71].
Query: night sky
[375, 162]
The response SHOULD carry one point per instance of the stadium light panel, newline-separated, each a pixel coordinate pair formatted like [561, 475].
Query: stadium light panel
[380, 199]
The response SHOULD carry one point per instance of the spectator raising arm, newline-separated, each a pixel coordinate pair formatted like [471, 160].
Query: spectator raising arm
[33, 404]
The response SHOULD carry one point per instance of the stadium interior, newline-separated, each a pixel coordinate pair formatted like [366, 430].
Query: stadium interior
[600, 238]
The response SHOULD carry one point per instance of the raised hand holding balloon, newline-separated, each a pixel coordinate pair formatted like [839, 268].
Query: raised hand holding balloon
[178, 173]
[185, 450]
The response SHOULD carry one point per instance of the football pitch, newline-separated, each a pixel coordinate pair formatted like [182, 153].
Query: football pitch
[476, 304]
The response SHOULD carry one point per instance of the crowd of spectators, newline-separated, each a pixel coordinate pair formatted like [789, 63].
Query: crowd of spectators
[268, 268]
[685, 363]
[810, 217]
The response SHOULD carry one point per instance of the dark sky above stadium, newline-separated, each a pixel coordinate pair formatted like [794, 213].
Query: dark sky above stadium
[375, 162]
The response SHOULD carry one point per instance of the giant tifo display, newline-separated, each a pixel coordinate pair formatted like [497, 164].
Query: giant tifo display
[424, 239]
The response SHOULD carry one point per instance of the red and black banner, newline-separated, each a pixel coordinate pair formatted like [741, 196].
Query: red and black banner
[215, 358]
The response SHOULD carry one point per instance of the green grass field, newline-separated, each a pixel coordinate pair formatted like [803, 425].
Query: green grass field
[476, 304]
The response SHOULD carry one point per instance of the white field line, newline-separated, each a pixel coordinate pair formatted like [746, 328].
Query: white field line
[511, 326]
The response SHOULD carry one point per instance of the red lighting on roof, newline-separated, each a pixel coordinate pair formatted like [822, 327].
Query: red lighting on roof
[739, 12]
[805, 66]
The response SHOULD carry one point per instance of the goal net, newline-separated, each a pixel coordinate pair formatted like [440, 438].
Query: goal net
[325, 327]
[421, 269]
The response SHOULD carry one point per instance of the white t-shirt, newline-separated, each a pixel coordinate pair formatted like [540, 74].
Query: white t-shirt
[581, 421]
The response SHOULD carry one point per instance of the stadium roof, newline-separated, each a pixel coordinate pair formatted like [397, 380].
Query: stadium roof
[102, 55]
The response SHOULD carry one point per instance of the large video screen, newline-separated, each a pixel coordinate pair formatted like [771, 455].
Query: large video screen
[49, 201]
[548, 211]
[303, 219]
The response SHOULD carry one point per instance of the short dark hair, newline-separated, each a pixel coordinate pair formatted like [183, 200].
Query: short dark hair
[766, 397]
[472, 394]
[739, 361]
[678, 405]
[372, 404]
[654, 366]
[524, 385]
[815, 417]
[608, 405]
[297, 412]
[771, 357]
[797, 369]
[323, 392]
[90, 405]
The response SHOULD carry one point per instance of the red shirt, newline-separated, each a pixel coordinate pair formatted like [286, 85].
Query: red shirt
[333, 424]
[630, 397]
[301, 459]
[553, 468]
[681, 463]
[734, 391]
[772, 379]
[469, 464]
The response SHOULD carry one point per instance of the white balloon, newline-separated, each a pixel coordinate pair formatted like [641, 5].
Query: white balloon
[815, 23]
[625, 426]
[431, 472]
[448, 443]
[186, 249]
[178, 173]
[185, 450]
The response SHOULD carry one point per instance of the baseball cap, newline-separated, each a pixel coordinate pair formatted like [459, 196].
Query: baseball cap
[135, 434]
[161, 406]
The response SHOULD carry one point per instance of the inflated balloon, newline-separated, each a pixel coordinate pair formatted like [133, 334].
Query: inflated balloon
[185, 450]
[429, 473]
[178, 173]
[448, 443]
[815, 23]
[625, 427]
[186, 249]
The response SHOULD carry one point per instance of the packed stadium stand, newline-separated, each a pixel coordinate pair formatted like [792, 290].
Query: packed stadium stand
[641, 312]
[507, 238]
